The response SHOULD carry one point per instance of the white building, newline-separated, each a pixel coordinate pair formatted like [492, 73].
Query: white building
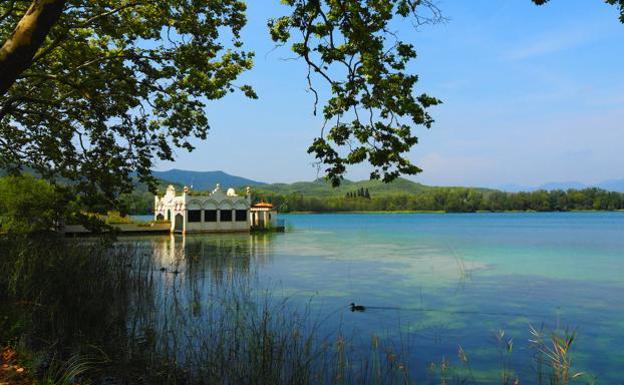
[264, 216]
[204, 212]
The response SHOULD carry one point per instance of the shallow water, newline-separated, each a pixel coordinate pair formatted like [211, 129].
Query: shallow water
[434, 282]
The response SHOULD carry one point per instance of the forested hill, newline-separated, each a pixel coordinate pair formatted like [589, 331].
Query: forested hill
[400, 195]
[404, 195]
[320, 188]
[204, 180]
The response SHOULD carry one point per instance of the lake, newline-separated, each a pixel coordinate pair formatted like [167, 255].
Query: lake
[431, 283]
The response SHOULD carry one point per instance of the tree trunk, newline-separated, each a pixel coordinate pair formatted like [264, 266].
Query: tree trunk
[18, 50]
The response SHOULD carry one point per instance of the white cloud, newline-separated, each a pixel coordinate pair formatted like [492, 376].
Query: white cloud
[552, 42]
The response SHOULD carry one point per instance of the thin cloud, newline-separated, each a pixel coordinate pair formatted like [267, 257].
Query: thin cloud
[551, 43]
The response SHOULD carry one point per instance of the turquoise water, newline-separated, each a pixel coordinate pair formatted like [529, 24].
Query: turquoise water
[434, 282]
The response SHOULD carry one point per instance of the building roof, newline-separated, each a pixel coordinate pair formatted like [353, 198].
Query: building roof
[263, 205]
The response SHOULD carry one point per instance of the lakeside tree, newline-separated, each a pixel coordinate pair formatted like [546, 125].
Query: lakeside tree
[453, 200]
[618, 3]
[94, 91]
[29, 205]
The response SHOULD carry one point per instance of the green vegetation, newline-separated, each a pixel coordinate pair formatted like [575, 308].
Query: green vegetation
[92, 93]
[403, 195]
[95, 92]
[141, 200]
[32, 205]
[320, 188]
[90, 312]
[618, 3]
[28, 204]
[359, 193]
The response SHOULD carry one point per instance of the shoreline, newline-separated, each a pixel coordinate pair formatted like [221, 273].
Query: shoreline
[437, 212]
[452, 212]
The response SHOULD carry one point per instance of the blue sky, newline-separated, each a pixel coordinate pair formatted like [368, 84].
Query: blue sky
[531, 95]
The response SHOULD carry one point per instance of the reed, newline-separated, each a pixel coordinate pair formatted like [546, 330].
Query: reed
[69, 296]
[92, 310]
[505, 347]
[553, 356]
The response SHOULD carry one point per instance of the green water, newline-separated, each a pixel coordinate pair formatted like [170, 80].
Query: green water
[434, 282]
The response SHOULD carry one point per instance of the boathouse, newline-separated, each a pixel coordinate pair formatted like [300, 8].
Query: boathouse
[196, 212]
[264, 216]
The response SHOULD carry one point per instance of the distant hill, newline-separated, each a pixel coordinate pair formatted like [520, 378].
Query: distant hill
[205, 180]
[562, 186]
[609, 185]
[321, 188]
[613, 185]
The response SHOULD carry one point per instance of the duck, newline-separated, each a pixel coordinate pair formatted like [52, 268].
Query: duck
[355, 307]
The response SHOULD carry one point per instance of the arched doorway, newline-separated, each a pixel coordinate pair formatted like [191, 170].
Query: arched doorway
[160, 217]
[168, 215]
[179, 223]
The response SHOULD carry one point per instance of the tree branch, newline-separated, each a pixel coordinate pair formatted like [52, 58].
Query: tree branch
[18, 50]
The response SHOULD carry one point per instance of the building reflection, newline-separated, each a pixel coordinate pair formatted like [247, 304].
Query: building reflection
[221, 257]
[183, 285]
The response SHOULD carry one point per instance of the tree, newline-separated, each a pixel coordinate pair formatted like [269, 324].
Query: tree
[373, 107]
[29, 205]
[618, 3]
[94, 91]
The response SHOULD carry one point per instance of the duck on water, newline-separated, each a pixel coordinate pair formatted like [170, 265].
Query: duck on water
[355, 307]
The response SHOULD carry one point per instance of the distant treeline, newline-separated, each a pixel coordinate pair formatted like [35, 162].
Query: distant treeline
[455, 200]
[359, 193]
[31, 203]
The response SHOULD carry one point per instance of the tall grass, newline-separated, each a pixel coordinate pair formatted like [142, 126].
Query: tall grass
[92, 310]
[65, 297]
[553, 357]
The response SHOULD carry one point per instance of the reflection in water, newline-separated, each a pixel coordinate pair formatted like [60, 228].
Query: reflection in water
[202, 308]
[432, 282]
[194, 282]
[211, 303]
[419, 291]
[225, 257]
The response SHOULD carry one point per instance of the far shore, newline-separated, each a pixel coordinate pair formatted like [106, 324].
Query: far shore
[448, 212]
[436, 212]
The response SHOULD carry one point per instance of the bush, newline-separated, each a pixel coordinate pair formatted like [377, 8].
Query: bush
[28, 204]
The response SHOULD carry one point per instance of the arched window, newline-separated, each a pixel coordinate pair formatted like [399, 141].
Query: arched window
[241, 215]
[225, 215]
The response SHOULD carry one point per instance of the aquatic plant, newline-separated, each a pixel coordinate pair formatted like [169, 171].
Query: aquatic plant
[70, 295]
[505, 346]
[70, 371]
[91, 309]
[553, 356]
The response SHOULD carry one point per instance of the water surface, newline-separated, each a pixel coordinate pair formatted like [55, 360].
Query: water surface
[434, 282]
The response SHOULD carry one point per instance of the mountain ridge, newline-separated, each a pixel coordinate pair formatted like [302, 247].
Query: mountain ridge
[204, 180]
[616, 185]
